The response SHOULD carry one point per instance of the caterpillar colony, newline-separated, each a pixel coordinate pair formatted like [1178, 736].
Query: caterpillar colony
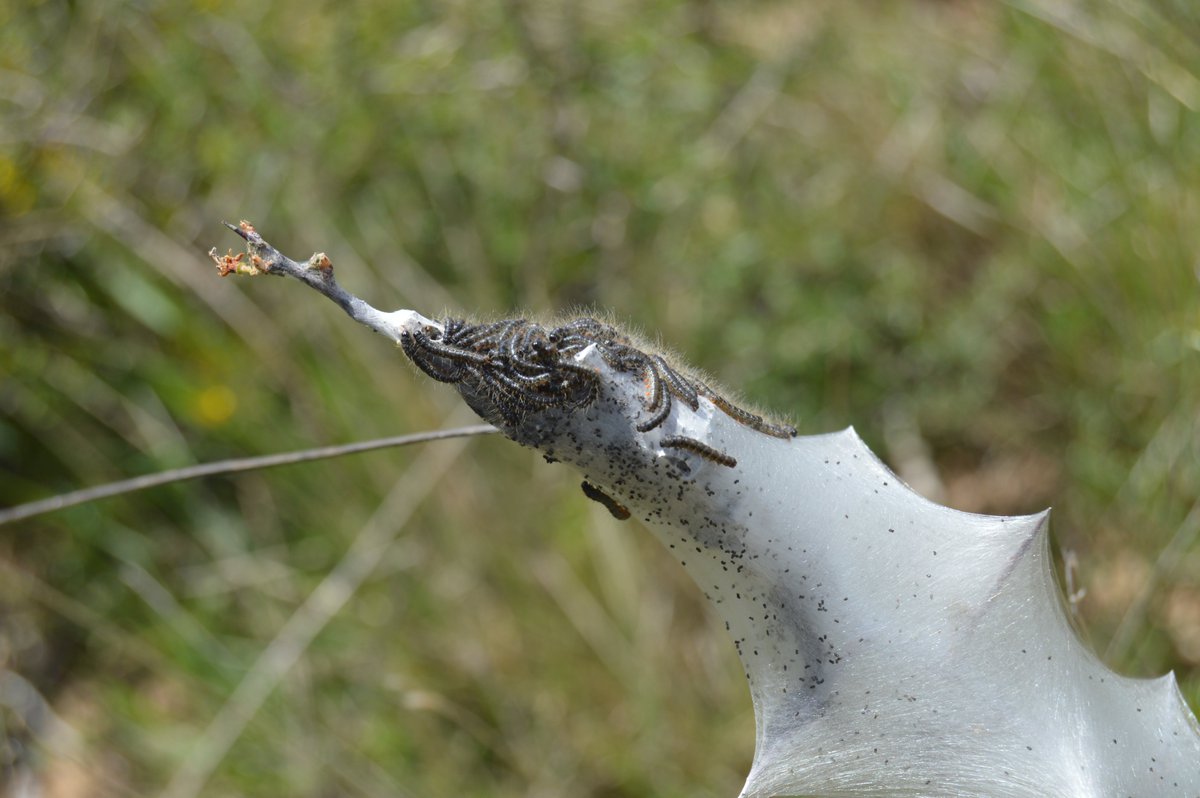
[894, 647]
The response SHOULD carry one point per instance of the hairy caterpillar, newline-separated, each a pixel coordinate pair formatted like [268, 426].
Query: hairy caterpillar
[615, 508]
[519, 366]
[696, 447]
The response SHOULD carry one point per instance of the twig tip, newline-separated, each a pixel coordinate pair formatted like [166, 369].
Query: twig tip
[230, 263]
[242, 228]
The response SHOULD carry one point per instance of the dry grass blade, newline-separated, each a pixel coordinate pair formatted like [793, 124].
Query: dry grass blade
[278, 657]
[75, 498]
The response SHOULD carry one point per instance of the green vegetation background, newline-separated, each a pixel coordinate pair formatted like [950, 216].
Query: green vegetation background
[968, 228]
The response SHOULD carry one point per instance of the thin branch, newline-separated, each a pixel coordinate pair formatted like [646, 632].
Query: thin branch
[22, 511]
[316, 273]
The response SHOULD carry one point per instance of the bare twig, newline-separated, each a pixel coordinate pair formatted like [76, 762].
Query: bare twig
[74, 498]
[316, 273]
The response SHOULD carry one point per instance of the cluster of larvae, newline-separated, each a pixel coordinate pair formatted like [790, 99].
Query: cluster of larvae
[510, 369]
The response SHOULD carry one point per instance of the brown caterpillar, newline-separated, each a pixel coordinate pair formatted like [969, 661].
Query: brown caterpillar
[696, 447]
[618, 510]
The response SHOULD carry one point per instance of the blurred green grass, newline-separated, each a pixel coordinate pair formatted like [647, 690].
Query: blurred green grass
[967, 228]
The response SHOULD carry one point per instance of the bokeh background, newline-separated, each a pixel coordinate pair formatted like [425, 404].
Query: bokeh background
[968, 228]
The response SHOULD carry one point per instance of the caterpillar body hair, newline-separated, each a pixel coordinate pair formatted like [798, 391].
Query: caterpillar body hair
[696, 447]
